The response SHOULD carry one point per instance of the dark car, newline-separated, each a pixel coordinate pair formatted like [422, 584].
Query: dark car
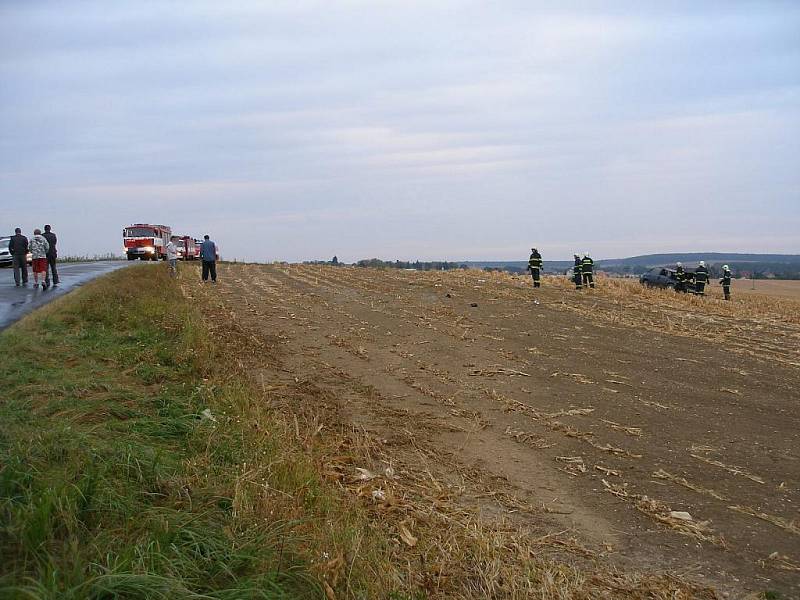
[666, 278]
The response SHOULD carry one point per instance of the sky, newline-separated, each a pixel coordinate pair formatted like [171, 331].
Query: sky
[436, 130]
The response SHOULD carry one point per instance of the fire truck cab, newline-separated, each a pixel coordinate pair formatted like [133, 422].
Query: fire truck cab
[145, 241]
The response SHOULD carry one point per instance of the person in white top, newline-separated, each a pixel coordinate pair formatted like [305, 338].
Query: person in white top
[172, 258]
[39, 248]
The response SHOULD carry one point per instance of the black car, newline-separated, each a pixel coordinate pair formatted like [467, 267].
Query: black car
[666, 278]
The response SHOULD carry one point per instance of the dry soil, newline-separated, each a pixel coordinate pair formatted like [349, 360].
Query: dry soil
[608, 413]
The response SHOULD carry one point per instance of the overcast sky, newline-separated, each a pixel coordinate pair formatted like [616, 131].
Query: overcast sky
[400, 129]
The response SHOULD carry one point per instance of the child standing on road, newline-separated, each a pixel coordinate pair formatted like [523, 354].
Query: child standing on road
[39, 247]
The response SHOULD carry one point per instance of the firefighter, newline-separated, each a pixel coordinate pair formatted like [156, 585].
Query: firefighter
[576, 271]
[535, 266]
[701, 279]
[726, 282]
[587, 266]
[680, 276]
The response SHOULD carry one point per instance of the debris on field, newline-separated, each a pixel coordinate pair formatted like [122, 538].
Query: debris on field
[662, 474]
[613, 449]
[608, 471]
[406, 536]
[529, 439]
[680, 514]
[734, 470]
[497, 371]
[779, 561]
[208, 415]
[365, 474]
[634, 431]
[570, 413]
[579, 377]
[661, 512]
[574, 464]
[378, 494]
[789, 526]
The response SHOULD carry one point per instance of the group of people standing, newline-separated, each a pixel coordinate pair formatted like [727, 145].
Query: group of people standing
[42, 247]
[583, 274]
[208, 255]
[583, 271]
[701, 279]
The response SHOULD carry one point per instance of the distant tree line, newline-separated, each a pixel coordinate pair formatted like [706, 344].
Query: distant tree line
[334, 261]
[762, 270]
[376, 263]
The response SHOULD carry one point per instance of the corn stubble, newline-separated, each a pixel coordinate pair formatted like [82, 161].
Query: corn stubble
[410, 531]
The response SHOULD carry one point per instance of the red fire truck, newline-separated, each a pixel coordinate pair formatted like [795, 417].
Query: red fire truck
[145, 241]
[186, 247]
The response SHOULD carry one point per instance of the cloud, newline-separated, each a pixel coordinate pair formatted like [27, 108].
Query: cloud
[425, 130]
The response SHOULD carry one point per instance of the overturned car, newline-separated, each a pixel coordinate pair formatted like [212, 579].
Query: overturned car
[664, 277]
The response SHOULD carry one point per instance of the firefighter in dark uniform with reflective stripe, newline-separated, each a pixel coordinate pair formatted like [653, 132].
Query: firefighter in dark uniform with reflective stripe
[726, 282]
[576, 272]
[701, 279]
[680, 277]
[535, 266]
[587, 266]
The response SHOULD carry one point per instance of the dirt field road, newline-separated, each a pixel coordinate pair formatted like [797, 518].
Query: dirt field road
[606, 414]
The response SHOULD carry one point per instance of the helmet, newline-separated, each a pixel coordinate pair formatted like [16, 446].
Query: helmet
[680, 264]
[724, 267]
[702, 264]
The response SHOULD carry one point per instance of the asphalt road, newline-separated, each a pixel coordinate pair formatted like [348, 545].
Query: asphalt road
[16, 302]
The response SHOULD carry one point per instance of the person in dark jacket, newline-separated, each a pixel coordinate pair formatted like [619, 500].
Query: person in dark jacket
[535, 266]
[587, 268]
[208, 254]
[701, 279]
[18, 247]
[680, 277]
[576, 272]
[726, 282]
[52, 254]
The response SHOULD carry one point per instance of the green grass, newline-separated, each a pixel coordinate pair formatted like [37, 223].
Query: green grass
[112, 484]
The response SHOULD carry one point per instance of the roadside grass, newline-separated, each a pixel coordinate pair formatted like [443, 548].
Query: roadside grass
[124, 468]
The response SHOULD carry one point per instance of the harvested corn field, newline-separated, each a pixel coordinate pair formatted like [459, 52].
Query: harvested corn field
[633, 430]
